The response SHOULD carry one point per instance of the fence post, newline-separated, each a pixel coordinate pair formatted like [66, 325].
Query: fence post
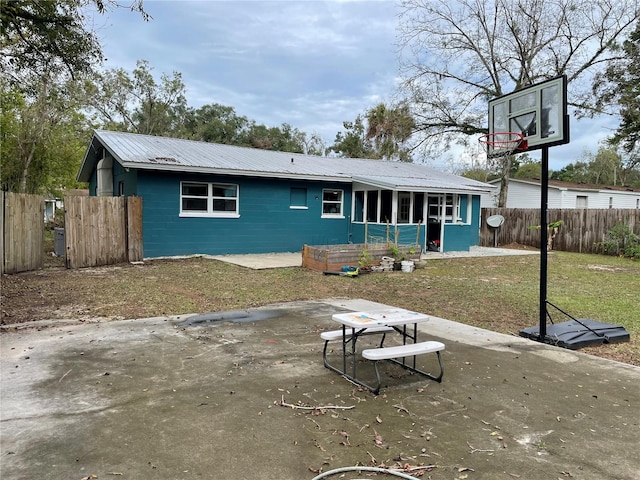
[1, 232]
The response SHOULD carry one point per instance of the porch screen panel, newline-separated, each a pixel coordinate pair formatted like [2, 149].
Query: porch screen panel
[418, 207]
[372, 206]
[358, 208]
[386, 206]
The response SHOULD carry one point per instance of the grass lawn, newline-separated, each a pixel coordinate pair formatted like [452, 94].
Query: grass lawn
[497, 293]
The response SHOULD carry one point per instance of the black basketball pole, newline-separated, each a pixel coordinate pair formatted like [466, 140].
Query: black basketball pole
[544, 225]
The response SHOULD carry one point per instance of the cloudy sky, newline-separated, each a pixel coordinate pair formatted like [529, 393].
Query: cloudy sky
[312, 64]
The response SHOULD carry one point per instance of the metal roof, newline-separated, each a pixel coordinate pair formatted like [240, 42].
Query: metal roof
[172, 154]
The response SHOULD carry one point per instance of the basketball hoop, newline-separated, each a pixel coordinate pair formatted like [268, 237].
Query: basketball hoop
[502, 144]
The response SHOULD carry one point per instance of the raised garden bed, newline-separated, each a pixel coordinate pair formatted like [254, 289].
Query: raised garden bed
[322, 258]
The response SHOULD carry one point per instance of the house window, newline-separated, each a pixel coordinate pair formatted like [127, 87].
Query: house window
[208, 200]
[404, 207]
[451, 206]
[448, 209]
[121, 189]
[434, 208]
[452, 209]
[610, 202]
[582, 201]
[332, 203]
[298, 198]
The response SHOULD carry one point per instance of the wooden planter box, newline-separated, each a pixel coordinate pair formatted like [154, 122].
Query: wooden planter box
[322, 258]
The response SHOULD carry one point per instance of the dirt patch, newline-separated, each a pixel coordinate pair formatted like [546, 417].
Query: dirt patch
[607, 268]
[497, 293]
[518, 246]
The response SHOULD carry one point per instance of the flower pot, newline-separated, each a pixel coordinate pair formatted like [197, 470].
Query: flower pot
[407, 266]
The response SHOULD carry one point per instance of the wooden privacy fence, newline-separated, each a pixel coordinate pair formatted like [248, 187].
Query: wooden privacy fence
[22, 232]
[102, 230]
[581, 230]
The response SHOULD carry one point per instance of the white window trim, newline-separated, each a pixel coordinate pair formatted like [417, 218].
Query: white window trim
[333, 215]
[456, 207]
[454, 218]
[210, 213]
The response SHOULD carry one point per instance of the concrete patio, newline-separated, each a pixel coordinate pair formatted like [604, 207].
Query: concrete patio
[294, 259]
[159, 399]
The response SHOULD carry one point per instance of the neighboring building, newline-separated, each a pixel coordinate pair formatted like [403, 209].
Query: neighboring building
[52, 204]
[50, 207]
[206, 198]
[526, 194]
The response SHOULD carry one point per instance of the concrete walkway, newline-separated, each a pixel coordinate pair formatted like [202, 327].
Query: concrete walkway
[245, 396]
[294, 259]
[479, 252]
[259, 261]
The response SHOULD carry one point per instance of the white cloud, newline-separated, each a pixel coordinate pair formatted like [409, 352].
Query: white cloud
[312, 64]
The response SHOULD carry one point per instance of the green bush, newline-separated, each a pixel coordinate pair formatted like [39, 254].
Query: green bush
[622, 242]
[633, 251]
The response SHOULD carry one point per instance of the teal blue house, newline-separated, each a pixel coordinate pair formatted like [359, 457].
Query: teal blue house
[206, 198]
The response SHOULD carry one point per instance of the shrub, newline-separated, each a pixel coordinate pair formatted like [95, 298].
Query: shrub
[366, 259]
[633, 251]
[621, 241]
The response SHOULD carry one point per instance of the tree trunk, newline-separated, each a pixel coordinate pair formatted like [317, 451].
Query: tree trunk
[507, 161]
[25, 168]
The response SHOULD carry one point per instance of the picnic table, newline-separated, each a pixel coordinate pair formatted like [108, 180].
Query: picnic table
[397, 320]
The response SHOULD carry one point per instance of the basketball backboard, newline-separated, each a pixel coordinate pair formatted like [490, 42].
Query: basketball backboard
[538, 112]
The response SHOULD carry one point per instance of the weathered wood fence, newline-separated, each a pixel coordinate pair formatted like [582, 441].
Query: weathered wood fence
[581, 230]
[98, 231]
[102, 230]
[22, 232]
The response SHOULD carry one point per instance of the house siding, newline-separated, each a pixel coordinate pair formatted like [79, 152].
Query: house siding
[461, 237]
[266, 223]
[120, 174]
[127, 178]
[273, 214]
[527, 195]
[521, 195]
[602, 199]
[93, 183]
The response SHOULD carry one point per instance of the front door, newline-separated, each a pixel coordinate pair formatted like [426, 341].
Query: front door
[435, 216]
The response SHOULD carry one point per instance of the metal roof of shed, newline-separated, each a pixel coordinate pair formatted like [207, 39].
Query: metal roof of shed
[171, 154]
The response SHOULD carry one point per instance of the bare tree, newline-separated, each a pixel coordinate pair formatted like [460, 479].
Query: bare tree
[137, 102]
[458, 54]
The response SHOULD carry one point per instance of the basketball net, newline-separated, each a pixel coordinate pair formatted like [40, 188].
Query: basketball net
[503, 144]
